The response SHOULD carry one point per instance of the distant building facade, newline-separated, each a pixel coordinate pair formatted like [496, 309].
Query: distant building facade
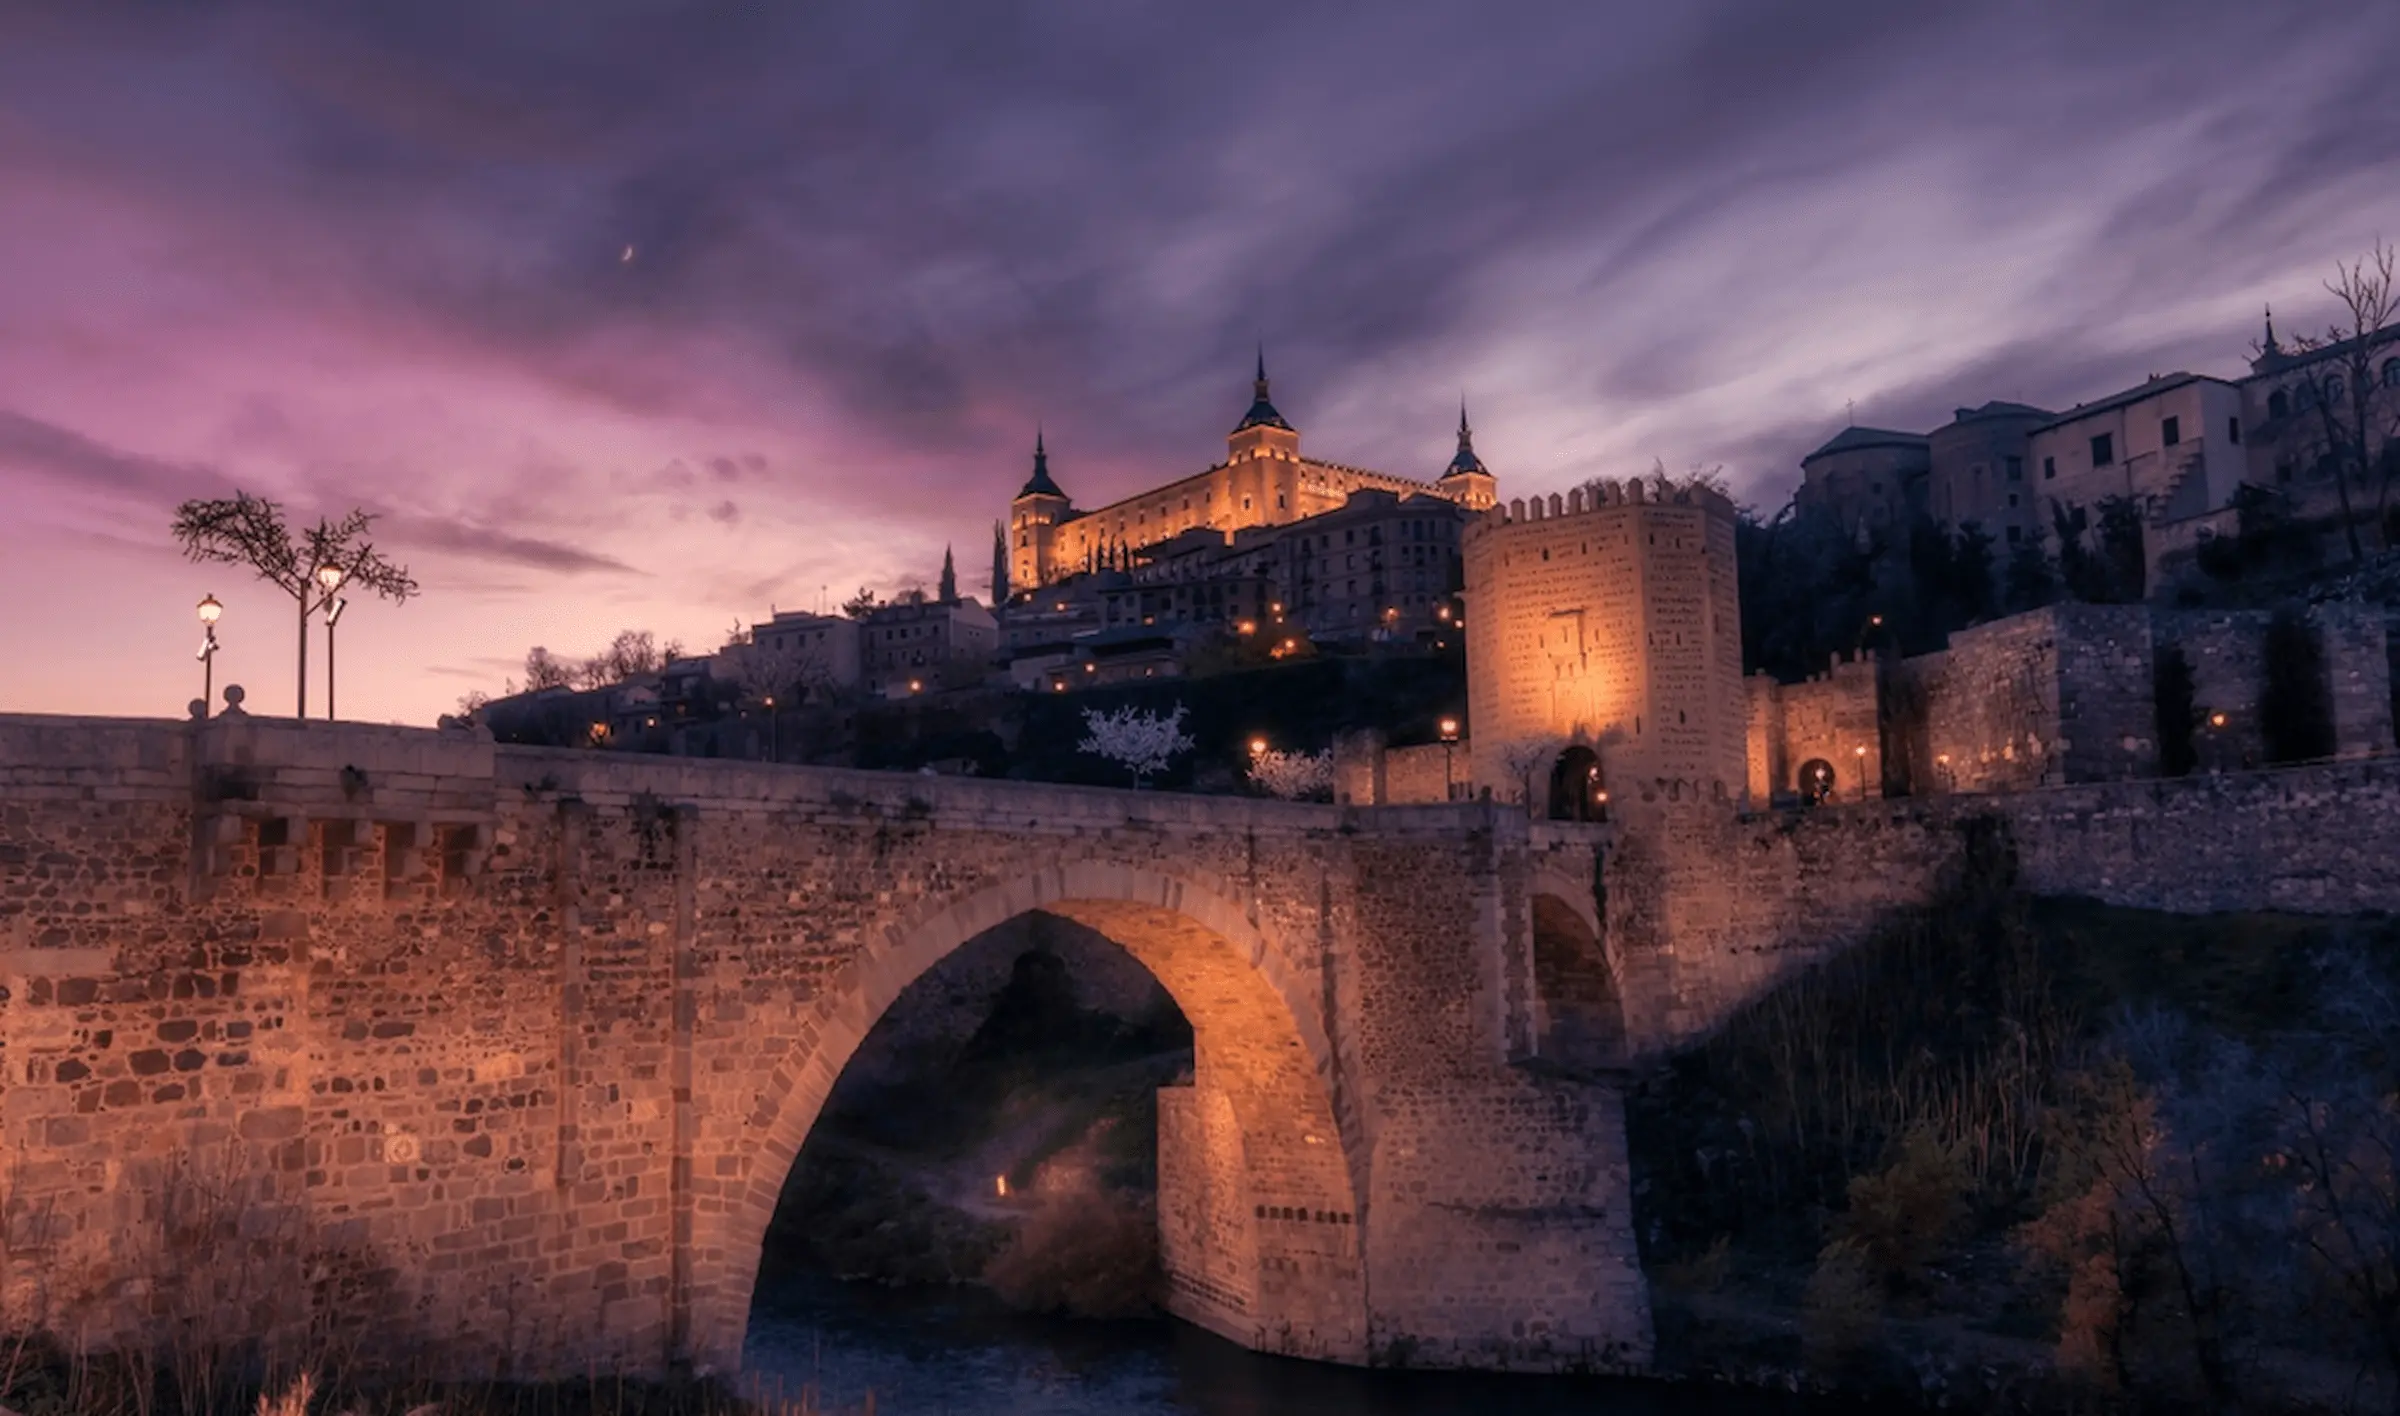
[1867, 477]
[1263, 482]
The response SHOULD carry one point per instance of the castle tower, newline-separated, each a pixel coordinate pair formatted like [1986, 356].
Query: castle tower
[1262, 462]
[1033, 520]
[1608, 619]
[1466, 480]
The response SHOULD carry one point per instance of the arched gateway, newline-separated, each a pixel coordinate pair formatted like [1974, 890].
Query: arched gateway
[508, 1052]
[1264, 1085]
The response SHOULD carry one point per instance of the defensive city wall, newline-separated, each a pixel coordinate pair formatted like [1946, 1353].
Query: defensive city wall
[324, 1038]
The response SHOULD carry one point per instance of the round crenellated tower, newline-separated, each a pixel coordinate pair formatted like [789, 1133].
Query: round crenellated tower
[1607, 621]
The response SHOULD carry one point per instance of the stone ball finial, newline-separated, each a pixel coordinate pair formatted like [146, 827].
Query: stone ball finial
[233, 698]
[197, 708]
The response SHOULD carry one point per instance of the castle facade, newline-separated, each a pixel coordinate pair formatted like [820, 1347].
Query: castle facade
[1263, 481]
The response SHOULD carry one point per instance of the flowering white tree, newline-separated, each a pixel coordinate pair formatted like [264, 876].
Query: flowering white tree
[1294, 776]
[1141, 743]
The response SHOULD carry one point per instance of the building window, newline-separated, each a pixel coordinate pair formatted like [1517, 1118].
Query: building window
[2391, 373]
[2277, 404]
[2014, 534]
[2016, 469]
[2049, 468]
[2170, 431]
[2233, 431]
[2012, 498]
[2104, 449]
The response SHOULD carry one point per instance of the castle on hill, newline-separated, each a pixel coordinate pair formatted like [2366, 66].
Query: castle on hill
[1263, 482]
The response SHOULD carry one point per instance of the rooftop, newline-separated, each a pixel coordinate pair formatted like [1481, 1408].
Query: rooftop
[2148, 388]
[1853, 438]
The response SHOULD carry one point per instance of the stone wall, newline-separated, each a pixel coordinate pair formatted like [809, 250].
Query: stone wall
[1366, 772]
[2056, 695]
[2226, 651]
[1706, 911]
[502, 1055]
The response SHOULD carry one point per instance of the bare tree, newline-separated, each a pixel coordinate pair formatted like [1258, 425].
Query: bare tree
[247, 530]
[633, 653]
[765, 674]
[544, 669]
[2347, 382]
[1522, 758]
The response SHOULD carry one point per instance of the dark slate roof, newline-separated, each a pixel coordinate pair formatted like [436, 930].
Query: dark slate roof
[1262, 412]
[1039, 484]
[1854, 437]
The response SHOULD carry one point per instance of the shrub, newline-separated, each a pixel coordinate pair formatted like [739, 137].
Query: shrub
[1090, 1253]
[1903, 1216]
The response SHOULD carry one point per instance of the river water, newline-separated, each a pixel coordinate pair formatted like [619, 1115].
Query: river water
[957, 1352]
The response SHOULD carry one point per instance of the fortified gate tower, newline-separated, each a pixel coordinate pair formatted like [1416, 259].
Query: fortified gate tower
[1604, 635]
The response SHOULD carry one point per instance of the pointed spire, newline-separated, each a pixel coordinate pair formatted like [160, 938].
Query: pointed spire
[1262, 412]
[2270, 345]
[948, 592]
[1039, 484]
[1466, 461]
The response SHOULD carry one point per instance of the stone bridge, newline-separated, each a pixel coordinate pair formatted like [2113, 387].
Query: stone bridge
[325, 1036]
[320, 1034]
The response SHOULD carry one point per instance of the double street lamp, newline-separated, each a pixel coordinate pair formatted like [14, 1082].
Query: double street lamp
[210, 611]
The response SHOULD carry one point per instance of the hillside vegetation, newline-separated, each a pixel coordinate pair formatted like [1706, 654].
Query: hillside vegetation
[2032, 1150]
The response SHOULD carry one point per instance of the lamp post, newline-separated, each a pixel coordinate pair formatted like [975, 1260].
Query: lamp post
[210, 611]
[1861, 754]
[330, 576]
[1449, 746]
[774, 731]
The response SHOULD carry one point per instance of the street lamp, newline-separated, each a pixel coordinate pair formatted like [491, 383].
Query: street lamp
[1449, 745]
[1861, 754]
[210, 611]
[330, 576]
[1258, 747]
[774, 730]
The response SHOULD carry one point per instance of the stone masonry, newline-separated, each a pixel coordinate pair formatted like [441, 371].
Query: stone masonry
[499, 1057]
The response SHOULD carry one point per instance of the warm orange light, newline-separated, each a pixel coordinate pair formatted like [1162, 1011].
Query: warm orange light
[1449, 729]
[916, 685]
[1860, 751]
[2216, 720]
[1248, 626]
[1257, 746]
[1000, 1186]
[211, 610]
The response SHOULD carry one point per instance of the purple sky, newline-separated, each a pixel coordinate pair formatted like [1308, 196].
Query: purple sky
[378, 257]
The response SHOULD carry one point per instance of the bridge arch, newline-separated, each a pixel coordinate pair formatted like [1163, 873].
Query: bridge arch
[1583, 1004]
[1260, 1051]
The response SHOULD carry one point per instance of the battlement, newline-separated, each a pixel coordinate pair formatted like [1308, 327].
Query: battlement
[1600, 497]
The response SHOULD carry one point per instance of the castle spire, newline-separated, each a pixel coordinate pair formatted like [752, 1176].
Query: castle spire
[2270, 345]
[1262, 412]
[1039, 484]
[1466, 461]
[947, 594]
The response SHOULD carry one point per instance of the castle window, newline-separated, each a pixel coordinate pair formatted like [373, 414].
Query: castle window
[2016, 469]
[2170, 431]
[2391, 373]
[2014, 535]
[2277, 404]
[2012, 498]
[2049, 468]
[2104, 449]
[2233, 426]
